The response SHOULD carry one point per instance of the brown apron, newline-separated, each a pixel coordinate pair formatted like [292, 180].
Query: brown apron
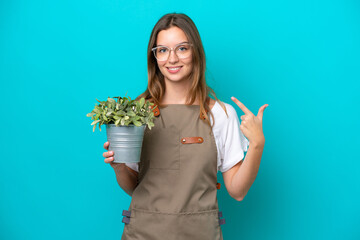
[176, 198]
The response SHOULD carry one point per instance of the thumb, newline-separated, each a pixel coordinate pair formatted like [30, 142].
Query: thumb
[261, 111]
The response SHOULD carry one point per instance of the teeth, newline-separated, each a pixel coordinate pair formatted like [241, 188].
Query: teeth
[174, 68]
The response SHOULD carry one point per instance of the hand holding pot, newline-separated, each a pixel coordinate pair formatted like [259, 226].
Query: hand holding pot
[109, 156]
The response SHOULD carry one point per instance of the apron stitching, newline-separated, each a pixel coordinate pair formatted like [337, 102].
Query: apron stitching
[180, 213]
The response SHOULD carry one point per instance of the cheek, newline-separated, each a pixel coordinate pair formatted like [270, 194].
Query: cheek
[188, 62]
[189, 65]
[161, 66]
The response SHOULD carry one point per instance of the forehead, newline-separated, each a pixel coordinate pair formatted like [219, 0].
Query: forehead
[170, 37]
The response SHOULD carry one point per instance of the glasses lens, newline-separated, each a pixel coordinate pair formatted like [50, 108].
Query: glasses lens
[162, 53]
[183, 50]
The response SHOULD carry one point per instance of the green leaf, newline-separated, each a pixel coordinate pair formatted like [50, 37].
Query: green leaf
[120, 113]
[95, 122]
[142, 101]
[131, 114]
[137, 123]
[111, 100]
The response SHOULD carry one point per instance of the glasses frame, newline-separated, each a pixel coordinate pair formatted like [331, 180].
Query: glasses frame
[171, 49]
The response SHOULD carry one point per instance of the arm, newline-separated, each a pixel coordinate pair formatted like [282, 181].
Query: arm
[126, 177]
[240, 177]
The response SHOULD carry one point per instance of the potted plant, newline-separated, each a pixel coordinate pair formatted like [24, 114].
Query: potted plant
[126, 121]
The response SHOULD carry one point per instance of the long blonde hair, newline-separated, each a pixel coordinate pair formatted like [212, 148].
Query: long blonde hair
[156, 84]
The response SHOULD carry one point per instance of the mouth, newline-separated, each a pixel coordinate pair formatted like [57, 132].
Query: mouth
[174, 69]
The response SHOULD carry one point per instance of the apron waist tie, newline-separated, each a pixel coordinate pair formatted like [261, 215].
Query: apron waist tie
[126, 218]
[221, 221]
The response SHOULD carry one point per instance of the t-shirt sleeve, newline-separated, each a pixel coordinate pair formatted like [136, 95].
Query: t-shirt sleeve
[133, 166]
[235, 142]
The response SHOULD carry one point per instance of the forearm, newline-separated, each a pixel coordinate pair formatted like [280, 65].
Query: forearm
[246, 174]
[125, 178]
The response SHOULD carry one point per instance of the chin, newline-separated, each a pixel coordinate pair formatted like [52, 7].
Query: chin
[176, 78]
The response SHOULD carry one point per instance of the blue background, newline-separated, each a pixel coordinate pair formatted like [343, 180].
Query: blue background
[300, 57]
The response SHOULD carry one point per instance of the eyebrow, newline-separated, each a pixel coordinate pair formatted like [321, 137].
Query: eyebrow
[175, 44]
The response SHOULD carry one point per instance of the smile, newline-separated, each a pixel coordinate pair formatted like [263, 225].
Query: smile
[174, 70]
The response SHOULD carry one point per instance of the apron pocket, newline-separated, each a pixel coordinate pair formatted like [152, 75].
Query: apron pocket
[163, 149]
[199, 226]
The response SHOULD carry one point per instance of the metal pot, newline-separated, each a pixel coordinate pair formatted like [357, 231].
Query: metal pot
[125, 142]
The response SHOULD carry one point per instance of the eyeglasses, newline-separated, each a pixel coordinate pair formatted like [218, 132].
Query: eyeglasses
[182, 50]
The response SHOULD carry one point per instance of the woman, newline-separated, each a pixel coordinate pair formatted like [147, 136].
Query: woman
[174, 186]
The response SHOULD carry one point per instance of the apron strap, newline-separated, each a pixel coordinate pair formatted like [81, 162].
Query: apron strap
[202, 117]
[156, 111]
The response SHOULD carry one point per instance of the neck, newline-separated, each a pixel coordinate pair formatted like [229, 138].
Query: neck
[176, 92]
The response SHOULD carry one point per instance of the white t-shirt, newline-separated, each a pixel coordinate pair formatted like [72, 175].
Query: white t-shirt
[231, 143]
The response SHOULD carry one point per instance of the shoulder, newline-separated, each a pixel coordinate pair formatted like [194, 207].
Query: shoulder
[225, 117]
[212, 103]
[223, 110]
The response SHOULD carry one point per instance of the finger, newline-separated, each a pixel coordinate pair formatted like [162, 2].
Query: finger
[106, 145]
[243, 129]
[245, 117]
[261, 111]
[108, 154]
[241, 106]
[109, 160]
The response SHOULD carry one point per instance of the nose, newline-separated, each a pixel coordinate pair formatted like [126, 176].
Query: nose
[173, 58]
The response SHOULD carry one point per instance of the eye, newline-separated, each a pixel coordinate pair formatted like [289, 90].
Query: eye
[162, 50]
[183, 48]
